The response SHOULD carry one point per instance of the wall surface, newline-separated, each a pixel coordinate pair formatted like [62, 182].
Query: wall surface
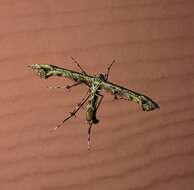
[152, 42]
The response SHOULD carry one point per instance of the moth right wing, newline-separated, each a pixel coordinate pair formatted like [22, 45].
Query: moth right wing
[147, 104]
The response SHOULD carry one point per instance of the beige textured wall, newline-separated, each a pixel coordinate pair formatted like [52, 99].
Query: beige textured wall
[153, 44]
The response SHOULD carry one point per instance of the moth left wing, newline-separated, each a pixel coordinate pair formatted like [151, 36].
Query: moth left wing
[45, 71]
[146, 103]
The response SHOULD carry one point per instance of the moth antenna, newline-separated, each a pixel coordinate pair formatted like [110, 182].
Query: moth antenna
[108, 70]
[76, 62]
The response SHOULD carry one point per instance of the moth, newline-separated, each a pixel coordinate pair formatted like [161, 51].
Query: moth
[93, 97]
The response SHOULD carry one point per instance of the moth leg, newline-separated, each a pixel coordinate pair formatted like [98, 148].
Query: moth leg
[72, 85]
[108, 70]
[118, 98]
[76, 62]
[89, 132]
[115, 94]
[67, 87]
[99, 102]
[115, 97]
[73, 113]
[55, 87]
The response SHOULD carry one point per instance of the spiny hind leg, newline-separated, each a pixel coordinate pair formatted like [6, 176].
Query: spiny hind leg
[73, 113]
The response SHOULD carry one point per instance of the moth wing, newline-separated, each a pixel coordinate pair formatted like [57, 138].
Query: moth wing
[146, 103]
[45, 71]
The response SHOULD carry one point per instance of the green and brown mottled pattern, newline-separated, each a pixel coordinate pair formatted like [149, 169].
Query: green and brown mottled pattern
[91, 109]
[45, 71]
[146, 103]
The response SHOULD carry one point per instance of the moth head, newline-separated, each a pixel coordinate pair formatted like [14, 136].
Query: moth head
[101, 76]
